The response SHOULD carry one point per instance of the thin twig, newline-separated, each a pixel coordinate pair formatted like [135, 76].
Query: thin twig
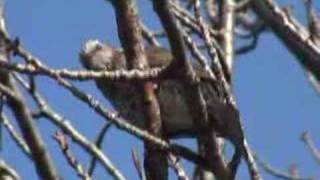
[278, 173]
[15, 136]
[98, 143]
[73, 162]
[138, 164]
[311, 145]
[69, 129]
[177, 167]
[149, 35]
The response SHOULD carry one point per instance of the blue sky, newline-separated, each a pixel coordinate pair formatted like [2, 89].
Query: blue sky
[275, 99]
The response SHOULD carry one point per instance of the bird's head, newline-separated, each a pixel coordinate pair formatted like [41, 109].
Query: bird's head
[96, 55]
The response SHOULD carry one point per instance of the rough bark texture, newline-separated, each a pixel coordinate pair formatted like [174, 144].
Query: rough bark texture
[292, 34]
[155, 162]
[43, 162]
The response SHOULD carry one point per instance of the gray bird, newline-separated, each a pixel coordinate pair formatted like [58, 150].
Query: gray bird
[175, 112]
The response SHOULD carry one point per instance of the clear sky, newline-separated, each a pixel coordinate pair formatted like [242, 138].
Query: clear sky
[275, 98]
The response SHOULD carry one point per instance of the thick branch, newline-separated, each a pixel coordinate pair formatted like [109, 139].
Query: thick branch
[66, 126]
[129, 31]
[194, 95]
[43, 162]
[293, 35]
[40, 155]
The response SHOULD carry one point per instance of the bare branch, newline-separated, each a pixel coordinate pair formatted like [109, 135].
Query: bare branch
[149, 35]
[15, 136]
[69, 129]
[293, 35]
[194, 94]
[156, 165]
[177, 167]
[312, 147]
[207, 38]
[73, 162]
[35, 67]
[98, 143]
[227, 37]
[277, 173]
[138, 164]
[7, 172]
[43, 162]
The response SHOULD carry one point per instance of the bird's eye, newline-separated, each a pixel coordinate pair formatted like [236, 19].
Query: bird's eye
[98, 47]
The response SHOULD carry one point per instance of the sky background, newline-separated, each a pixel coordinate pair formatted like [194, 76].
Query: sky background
[274, 97]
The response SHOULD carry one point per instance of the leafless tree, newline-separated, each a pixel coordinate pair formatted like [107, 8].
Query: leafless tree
[160, 93]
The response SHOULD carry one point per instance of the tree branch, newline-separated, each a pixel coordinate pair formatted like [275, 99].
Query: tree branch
[292, 34]
[43, 162]
[156, 165]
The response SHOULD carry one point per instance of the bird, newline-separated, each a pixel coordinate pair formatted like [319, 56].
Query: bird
[175, 113]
